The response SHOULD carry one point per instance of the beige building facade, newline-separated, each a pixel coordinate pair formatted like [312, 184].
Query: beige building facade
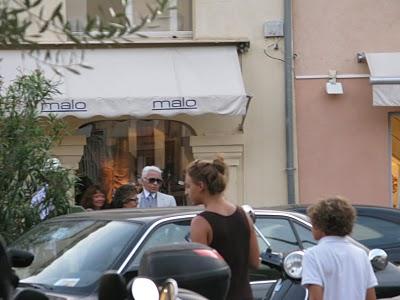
[347, 145]
[253, 145]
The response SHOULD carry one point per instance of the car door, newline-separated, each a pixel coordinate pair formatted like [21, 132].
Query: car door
[165, 231]
[278, 232]
[374, 231]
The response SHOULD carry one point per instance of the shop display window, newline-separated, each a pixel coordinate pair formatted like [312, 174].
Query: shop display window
[395, 130]
[116, 152]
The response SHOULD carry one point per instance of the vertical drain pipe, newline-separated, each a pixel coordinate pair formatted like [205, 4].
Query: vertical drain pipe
[290, 169]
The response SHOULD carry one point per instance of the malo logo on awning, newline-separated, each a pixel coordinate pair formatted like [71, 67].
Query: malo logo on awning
[174, 104]
[65, 106]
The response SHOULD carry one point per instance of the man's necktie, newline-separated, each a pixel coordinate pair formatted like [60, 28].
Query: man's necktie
[150, 201]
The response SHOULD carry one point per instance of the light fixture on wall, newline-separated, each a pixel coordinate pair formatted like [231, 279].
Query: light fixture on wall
[332, 86]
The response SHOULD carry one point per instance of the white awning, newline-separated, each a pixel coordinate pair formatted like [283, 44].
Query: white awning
[143, 81]
[385, 78]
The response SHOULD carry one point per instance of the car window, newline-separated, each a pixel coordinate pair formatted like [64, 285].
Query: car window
[174, 232]
[375, 232]
[279, 233]
[74, 253]
[305, 235]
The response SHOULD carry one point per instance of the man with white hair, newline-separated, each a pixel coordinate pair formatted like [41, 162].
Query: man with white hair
[151, 196]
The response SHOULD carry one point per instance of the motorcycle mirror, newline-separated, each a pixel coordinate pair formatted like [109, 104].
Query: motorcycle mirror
[250, 211]
[20, 258]
[169, 290]
[144, 289]
[29, 294]
[378, 259]
[112, 286]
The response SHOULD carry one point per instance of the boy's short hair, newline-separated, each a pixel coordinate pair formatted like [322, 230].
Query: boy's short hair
[333, 216]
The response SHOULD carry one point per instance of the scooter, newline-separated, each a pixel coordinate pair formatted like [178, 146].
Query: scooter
[290, 266]
[288, 286]
[182, 271]
[112, 286]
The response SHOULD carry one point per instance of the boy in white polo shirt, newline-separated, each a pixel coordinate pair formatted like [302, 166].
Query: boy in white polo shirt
[336, 269]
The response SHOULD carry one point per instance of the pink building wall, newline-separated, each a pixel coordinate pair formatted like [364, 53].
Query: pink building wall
[343, 142]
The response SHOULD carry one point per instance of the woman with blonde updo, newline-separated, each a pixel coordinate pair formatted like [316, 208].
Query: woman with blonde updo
[223, 225]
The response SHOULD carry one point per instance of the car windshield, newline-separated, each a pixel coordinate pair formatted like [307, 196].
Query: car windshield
[70, 256]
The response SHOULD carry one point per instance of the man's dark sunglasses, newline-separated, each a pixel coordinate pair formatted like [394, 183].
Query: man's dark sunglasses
[154, 180]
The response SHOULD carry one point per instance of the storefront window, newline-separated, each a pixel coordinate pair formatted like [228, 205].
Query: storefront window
[395, 129]
[116, 152]
[176, 19]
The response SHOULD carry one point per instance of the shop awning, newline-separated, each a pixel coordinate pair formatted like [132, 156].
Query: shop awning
[385, 78]
[141, 82]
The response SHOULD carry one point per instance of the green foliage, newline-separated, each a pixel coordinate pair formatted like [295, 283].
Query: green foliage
[24, 22]
[25, 159]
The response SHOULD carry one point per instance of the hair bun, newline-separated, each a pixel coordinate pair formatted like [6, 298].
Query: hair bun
[219, 164]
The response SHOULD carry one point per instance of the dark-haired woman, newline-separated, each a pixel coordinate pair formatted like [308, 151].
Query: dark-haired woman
[125, 197]
[94, 198]
[223, 225]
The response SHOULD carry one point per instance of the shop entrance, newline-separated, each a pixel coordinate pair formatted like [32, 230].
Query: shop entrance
[116, 152]
[395, 138]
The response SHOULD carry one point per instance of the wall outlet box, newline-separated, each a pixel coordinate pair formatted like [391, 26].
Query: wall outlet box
[273, 28]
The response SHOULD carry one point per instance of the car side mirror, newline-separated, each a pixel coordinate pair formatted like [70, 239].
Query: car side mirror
[378, 259]
[20, 258]
[250, 211]
[112, 286]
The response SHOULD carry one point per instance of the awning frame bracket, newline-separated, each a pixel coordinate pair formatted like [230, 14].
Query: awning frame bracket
[241, 125]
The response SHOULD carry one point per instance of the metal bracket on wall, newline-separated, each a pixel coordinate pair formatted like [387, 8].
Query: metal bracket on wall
[361, 58]
[243, 47]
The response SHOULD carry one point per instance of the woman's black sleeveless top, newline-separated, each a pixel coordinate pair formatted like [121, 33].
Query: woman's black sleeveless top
[231, 236]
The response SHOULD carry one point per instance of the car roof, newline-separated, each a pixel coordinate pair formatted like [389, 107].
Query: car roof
[149, 215]
[357, 206]
[143, 215]
[282, 210]
[388, 213]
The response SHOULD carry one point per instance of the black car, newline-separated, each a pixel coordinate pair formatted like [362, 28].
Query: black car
[73, 251]
[375, 227]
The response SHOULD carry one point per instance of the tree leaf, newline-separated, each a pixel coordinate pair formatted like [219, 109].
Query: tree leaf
[44, 27]
[72, 70]
[56, 11]
[86, 66]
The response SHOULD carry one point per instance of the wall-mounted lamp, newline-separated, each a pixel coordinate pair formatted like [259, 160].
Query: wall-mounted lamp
[333, 87]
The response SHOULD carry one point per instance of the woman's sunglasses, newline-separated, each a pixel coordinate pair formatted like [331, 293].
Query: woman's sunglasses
[131, 200]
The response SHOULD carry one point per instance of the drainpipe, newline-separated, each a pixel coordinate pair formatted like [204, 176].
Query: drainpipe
[290, 169]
